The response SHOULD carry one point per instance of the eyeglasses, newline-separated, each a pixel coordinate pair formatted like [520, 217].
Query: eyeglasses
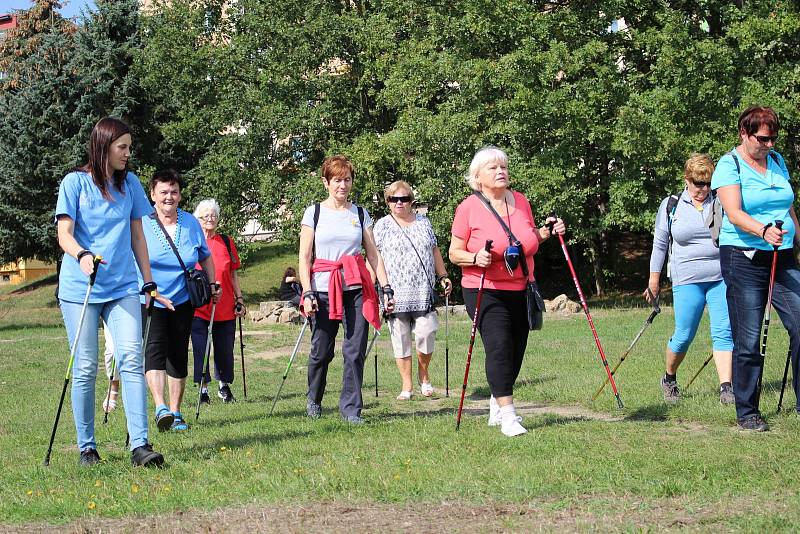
[405, 199]
[764, 139]
[701, 184]
[209, 217]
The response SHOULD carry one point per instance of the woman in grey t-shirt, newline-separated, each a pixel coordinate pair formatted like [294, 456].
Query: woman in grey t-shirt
[414, 265]
[337, 287]
[696, 277]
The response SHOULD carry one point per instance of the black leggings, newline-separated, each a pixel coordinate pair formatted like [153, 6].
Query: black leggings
[503, 324]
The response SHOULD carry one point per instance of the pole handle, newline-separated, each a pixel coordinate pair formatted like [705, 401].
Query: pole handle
[488, 246]
[95, 264]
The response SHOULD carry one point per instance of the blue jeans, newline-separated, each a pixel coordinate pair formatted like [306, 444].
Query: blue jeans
[748, 286]
[690, 300]
[123, 318]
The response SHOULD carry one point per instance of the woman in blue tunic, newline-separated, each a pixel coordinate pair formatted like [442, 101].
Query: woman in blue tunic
[99, 212]
[752, 183]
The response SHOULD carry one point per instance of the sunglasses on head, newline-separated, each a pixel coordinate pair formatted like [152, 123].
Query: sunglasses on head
[764, 139]
[395, 200]
[701, 184]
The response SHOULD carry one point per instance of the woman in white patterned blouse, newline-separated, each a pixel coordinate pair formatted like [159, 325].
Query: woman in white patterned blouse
[414, 266]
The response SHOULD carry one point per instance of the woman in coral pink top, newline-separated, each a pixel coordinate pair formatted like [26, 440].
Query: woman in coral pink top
[503, 311]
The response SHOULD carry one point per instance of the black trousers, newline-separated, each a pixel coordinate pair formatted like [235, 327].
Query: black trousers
[354, 348]
[168, 341]
[222, 337]
[503, 324]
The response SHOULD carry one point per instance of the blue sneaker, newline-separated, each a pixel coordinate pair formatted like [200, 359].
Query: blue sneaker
[164, 418]
[178, 425]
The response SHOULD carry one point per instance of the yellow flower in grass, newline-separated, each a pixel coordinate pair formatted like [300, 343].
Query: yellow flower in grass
[29, 492]
[98, 483]
[134, 488]
[91, 505]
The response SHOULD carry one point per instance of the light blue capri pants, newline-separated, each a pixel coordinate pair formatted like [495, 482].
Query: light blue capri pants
[689, 301]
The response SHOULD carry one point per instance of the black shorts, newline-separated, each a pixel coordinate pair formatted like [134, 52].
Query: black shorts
[168, 342]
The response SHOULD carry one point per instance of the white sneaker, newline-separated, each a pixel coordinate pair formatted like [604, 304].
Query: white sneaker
[512, 426]
[494, 412]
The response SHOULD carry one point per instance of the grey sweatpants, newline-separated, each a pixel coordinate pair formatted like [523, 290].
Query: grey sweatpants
[356, 332]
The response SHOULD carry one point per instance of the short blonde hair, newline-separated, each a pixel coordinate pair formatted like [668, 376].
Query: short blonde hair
[394, 187]
[698, 167]
[481, 158]
[207, 204]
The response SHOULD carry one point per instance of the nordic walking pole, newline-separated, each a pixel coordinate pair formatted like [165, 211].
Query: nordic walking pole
[289, 366]
[785, 376]
[206, 362]
[144, 346]
[767, 313]
[699, 370]
[92, 277]
[241, 348]
[150, 305]
[446, 345]
[648, 322]
[374, 337]
[487, 248]
[589, 318]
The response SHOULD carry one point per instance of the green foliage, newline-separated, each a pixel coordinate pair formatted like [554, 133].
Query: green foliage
[60, 79]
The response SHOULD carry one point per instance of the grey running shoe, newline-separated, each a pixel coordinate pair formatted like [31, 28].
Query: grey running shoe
[753, 423]
[726, 394]
[671, 392]
[354, 420]
[313, 410]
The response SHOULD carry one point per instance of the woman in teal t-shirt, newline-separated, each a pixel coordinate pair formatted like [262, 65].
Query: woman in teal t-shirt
[99, 212]
[752, 183]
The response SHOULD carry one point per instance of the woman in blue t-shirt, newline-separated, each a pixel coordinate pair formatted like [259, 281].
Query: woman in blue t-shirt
[99, 212]
[166, 355]
[752, 183]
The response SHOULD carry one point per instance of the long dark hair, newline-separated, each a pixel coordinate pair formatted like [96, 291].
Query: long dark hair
[289, 272]
[105, 132]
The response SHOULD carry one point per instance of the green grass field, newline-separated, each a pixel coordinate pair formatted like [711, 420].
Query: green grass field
[582, 465]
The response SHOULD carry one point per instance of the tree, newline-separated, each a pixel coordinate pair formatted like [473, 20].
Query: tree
[597, 122]
[60, 80]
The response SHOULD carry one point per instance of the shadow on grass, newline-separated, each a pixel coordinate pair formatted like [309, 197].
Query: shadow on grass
[49, 280]
[483, 393]
[201, 449]
[652, 412]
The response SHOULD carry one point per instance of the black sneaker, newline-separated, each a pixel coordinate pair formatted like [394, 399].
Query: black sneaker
[671, 392]
[754, 423]
[726, 394]
[89, 457]
[313, 410]
[145, 456]
[225, 394]
[204, 398]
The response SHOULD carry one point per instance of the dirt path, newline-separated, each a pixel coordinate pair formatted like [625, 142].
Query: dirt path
[615, 514]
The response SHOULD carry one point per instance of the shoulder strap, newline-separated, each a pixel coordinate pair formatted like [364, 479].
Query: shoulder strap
[227, 241]
[672, 205]
[316, 215]
[736, 161]
[509, 233]
[171, 243]
[360, 216]
[774, 157]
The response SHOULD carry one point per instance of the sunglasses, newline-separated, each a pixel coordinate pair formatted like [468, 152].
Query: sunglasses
[405, 199]
[764, 139]
[701, 184]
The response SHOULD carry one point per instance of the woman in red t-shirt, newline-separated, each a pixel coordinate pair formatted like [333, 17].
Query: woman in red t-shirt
[503, 312]
[229, 307]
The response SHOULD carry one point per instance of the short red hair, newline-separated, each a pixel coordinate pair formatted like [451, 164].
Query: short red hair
[336, 167]
[754, 117]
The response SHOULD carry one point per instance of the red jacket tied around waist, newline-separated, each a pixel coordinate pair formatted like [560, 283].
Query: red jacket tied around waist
[355, 273]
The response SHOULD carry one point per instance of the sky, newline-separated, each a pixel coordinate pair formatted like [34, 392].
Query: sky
[72, 8]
